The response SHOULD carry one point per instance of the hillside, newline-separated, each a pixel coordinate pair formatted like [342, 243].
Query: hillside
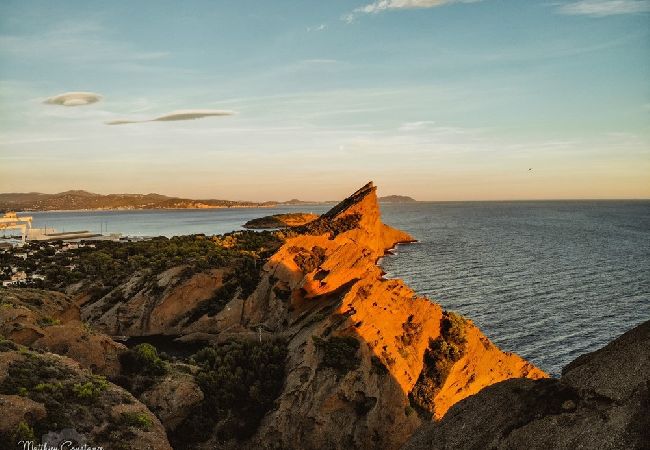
[76, 200]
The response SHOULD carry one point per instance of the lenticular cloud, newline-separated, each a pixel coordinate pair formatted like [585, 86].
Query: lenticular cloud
[74, 99]
[188, 114]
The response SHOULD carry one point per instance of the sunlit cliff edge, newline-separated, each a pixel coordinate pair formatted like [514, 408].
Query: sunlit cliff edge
[342, 287]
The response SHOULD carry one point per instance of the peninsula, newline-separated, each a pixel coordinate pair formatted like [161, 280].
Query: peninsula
[280, 221]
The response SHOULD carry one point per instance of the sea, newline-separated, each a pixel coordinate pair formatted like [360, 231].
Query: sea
[548, 280]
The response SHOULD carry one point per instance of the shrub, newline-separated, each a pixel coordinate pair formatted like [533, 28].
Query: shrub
[143, 359]
[138, 420]
[7, 345]
[339, 352]
[90, 390]
[48, 321]
[24, 433]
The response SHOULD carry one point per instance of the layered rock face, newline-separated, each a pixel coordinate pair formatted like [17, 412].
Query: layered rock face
[323, 291]
[49, 321]
[602, 401]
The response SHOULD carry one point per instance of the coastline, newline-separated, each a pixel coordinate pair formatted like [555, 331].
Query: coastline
[279, 205]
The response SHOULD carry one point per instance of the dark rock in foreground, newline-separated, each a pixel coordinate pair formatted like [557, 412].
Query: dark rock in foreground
[600, 402]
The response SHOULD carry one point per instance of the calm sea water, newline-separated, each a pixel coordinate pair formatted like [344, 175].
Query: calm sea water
[547, 280]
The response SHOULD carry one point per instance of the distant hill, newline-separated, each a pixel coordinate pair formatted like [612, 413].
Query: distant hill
[76, 199]
[396, 199]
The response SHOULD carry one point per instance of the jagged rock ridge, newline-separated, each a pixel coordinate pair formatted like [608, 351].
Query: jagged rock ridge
[322, 285]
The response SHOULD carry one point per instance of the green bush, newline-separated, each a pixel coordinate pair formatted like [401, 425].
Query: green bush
[339, 352]
[90, 390]
[138, 420]
[24, 433]
[143, 359]
[48, 321]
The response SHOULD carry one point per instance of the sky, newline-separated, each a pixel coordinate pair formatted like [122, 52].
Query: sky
[436, 99]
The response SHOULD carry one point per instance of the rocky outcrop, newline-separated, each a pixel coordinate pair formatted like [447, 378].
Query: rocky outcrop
[602, 401]
[280, 221]
[173, 398]
[43, 393]
[165, 305]
[49, 321]
[358, 343]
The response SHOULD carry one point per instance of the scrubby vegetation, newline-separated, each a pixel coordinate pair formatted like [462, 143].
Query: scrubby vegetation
[240, 381]
[141, 366]
[439, 358]
[309, 261]
[142, 359]
[339, 352]
[71, 399]
[107, 264]
[11, 440]
[327, 224]
[136, 419]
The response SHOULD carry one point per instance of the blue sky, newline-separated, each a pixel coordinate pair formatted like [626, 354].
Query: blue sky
[441, 100]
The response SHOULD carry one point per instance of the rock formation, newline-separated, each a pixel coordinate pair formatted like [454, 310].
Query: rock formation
[49, 321]
[323, 290]
[43, 393]
[602, 401]
[367, 360]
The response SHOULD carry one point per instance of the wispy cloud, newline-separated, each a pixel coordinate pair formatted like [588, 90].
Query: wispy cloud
[603, 8]
[76, 42]
[386, 5]
[189, 114]
[320, 27]
[413, 126]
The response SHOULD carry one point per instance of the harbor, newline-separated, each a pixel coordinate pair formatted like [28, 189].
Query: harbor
[10, 222]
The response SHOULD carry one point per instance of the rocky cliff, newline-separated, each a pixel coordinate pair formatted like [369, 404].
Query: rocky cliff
[602, 401]
[308, 345]
[368, 359]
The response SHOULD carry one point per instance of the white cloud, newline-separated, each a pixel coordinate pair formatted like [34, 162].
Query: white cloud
[321, 27]
[602, 8]
[187, 114]
[413, 126]
[385, 5]
[74, 99]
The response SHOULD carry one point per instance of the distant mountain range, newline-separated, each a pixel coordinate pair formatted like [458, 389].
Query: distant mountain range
[76, 200]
